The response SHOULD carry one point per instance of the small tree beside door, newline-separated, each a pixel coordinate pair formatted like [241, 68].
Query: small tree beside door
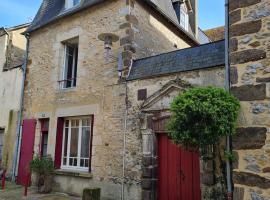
[202, 117]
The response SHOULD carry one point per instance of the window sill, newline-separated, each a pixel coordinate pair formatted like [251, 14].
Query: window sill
[71, 89]
[62, 172]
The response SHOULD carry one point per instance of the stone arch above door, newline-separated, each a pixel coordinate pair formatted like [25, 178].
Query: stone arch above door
[161, 99]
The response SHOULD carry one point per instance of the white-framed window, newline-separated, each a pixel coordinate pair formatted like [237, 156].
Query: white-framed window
[76, 143]
[69, 79]
[184, 18]
[71, 3]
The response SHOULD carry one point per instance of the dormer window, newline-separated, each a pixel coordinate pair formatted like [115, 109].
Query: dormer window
[71, 3]
[184, 17]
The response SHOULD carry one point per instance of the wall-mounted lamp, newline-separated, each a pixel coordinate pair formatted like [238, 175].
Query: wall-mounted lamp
[108, 39]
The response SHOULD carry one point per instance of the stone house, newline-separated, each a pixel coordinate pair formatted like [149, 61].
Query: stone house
[12, 52]
[75, 99]
[99, 81]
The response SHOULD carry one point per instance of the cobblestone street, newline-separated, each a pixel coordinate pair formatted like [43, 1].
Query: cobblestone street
[15, 192]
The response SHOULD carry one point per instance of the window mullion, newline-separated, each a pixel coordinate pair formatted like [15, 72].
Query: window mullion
[79, 143]
[69, 138]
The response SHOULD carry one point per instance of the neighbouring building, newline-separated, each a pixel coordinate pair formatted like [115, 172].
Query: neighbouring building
[215, 34]
[250, 77]
[12, 52]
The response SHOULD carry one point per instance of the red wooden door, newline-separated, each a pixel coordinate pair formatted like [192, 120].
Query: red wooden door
[178, 172]
[27, 150]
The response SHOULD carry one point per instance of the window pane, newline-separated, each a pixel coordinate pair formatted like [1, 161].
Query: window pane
[75, 67]
[75, 123]
[45, 145]
[64, 161]
[86, 122]
[71, 60]
[86, 163]
[74, 142]
[85, 142]
[69, 66]
[67, 123]
[66, 142]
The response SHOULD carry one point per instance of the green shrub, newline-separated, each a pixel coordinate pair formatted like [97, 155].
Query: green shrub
[42, 166]
[43, 169]
[200, 116]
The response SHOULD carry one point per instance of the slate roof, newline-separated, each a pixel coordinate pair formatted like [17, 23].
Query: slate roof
[200, 57]
[202, 37]
[51, 10]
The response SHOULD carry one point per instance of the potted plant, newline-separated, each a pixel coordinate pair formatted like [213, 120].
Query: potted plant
[43, 169]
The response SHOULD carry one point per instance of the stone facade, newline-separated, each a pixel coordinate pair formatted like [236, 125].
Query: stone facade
[99, 91]
[249, 57]
[12, 49]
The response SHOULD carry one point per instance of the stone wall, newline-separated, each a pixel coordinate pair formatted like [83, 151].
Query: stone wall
[10, 90]
[160, 34]
[98, 92]
[250, 61]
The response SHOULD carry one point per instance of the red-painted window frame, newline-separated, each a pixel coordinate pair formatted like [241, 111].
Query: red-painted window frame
[43, 130]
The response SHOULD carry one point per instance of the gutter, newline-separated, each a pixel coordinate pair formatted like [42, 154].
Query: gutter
[19, 124]
[227, 86]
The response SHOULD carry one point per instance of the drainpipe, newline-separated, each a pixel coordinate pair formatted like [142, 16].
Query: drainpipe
[124, 137]
[19, 124]
[124, 147]
[227, 86]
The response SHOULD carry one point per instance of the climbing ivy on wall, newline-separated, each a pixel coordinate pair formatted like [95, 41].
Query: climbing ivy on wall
[201, 115]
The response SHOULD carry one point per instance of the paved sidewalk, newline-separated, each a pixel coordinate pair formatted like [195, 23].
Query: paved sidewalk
[15, 192]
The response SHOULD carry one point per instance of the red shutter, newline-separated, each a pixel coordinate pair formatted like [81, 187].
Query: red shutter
[58, 144]
[27, 150]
